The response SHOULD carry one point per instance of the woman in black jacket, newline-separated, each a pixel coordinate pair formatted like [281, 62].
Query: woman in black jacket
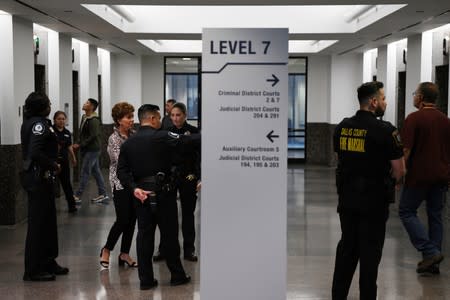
[65, 153]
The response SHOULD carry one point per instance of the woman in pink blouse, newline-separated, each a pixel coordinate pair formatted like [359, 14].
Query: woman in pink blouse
[122, 114]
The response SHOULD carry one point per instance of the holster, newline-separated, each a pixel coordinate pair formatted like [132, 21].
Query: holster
[31, 178]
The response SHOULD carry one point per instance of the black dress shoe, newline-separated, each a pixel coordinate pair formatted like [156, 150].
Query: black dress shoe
[149, 286]
[158, 257]
[58, 270]
[180, 281]
[190, 256]
[42, 276]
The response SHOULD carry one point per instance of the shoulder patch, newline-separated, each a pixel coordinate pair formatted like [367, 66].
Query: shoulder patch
[173, 135]
[38, 128]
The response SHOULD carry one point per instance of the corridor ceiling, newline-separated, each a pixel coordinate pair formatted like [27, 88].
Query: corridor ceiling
[350, 22]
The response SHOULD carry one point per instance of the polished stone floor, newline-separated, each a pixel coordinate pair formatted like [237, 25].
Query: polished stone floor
[313, 231]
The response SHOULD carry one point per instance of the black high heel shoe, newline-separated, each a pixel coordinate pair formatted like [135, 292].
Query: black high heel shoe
[103, 263]
[122, 263]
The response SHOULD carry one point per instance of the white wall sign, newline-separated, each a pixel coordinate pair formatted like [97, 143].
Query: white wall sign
[244, 164]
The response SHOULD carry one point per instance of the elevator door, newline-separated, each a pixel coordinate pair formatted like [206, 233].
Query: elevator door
[442, 82]
[39, 78]
[76, 119]
[401, 90]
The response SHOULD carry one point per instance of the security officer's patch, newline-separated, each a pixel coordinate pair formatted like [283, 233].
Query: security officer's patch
[174, 135]
[396, 137]
[38, 129]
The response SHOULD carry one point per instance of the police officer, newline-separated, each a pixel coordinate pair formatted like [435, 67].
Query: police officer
[187, 174]
[144, 167]
[40, 150]
[370, 158]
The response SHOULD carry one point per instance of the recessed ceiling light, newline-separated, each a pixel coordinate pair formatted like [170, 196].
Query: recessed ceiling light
[191, 19]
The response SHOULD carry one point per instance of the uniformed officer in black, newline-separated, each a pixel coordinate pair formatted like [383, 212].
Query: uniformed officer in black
[144, 167]
[65, 153]
[39, 150]
[370, 162]
[187, 176]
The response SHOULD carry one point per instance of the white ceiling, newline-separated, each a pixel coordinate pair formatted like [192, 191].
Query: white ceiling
[70, 17]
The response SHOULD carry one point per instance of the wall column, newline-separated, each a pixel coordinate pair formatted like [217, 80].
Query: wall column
[387, 74]
[418, 65]
[16, 82]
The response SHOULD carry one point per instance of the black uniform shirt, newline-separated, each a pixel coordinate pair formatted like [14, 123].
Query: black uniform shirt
[365, 147]
[64, 141]
[39, 144]
[187, 159]
[146, 153]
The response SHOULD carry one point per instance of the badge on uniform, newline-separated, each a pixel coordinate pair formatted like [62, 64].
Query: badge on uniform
[38, 129]
[174, 135]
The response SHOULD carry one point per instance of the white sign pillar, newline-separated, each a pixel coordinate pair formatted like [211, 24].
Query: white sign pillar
[244, 164]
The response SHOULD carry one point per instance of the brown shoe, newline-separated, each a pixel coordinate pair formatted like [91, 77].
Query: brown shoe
[425, 264]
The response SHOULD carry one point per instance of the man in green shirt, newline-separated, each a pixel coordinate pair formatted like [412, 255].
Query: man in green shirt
[89, 145]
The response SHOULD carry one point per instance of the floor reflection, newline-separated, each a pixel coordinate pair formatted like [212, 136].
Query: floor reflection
[313, 232]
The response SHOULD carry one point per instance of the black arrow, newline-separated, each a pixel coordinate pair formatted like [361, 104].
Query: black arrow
[274, 79]
[271, 136]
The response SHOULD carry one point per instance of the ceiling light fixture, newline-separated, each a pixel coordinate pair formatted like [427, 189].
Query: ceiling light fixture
[363, 13]
[123, 12]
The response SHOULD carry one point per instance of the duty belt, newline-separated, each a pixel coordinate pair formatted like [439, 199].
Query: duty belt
[148, 179]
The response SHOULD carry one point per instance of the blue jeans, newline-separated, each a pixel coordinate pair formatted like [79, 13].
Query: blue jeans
[429, 243]
[90, 164]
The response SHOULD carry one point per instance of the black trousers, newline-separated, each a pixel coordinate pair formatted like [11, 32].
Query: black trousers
[41, 245]
[64, 178]
[125, 221]
[188, 200]
[362, 240]
[166, 217]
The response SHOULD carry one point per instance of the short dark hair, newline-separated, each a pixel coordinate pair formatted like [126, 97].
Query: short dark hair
[59, 112]
[36, 104]
[93, 102]
[146, 110]
[120, 110]
[180, 106]
[368, 90]
[173, 101]
[429, 91]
